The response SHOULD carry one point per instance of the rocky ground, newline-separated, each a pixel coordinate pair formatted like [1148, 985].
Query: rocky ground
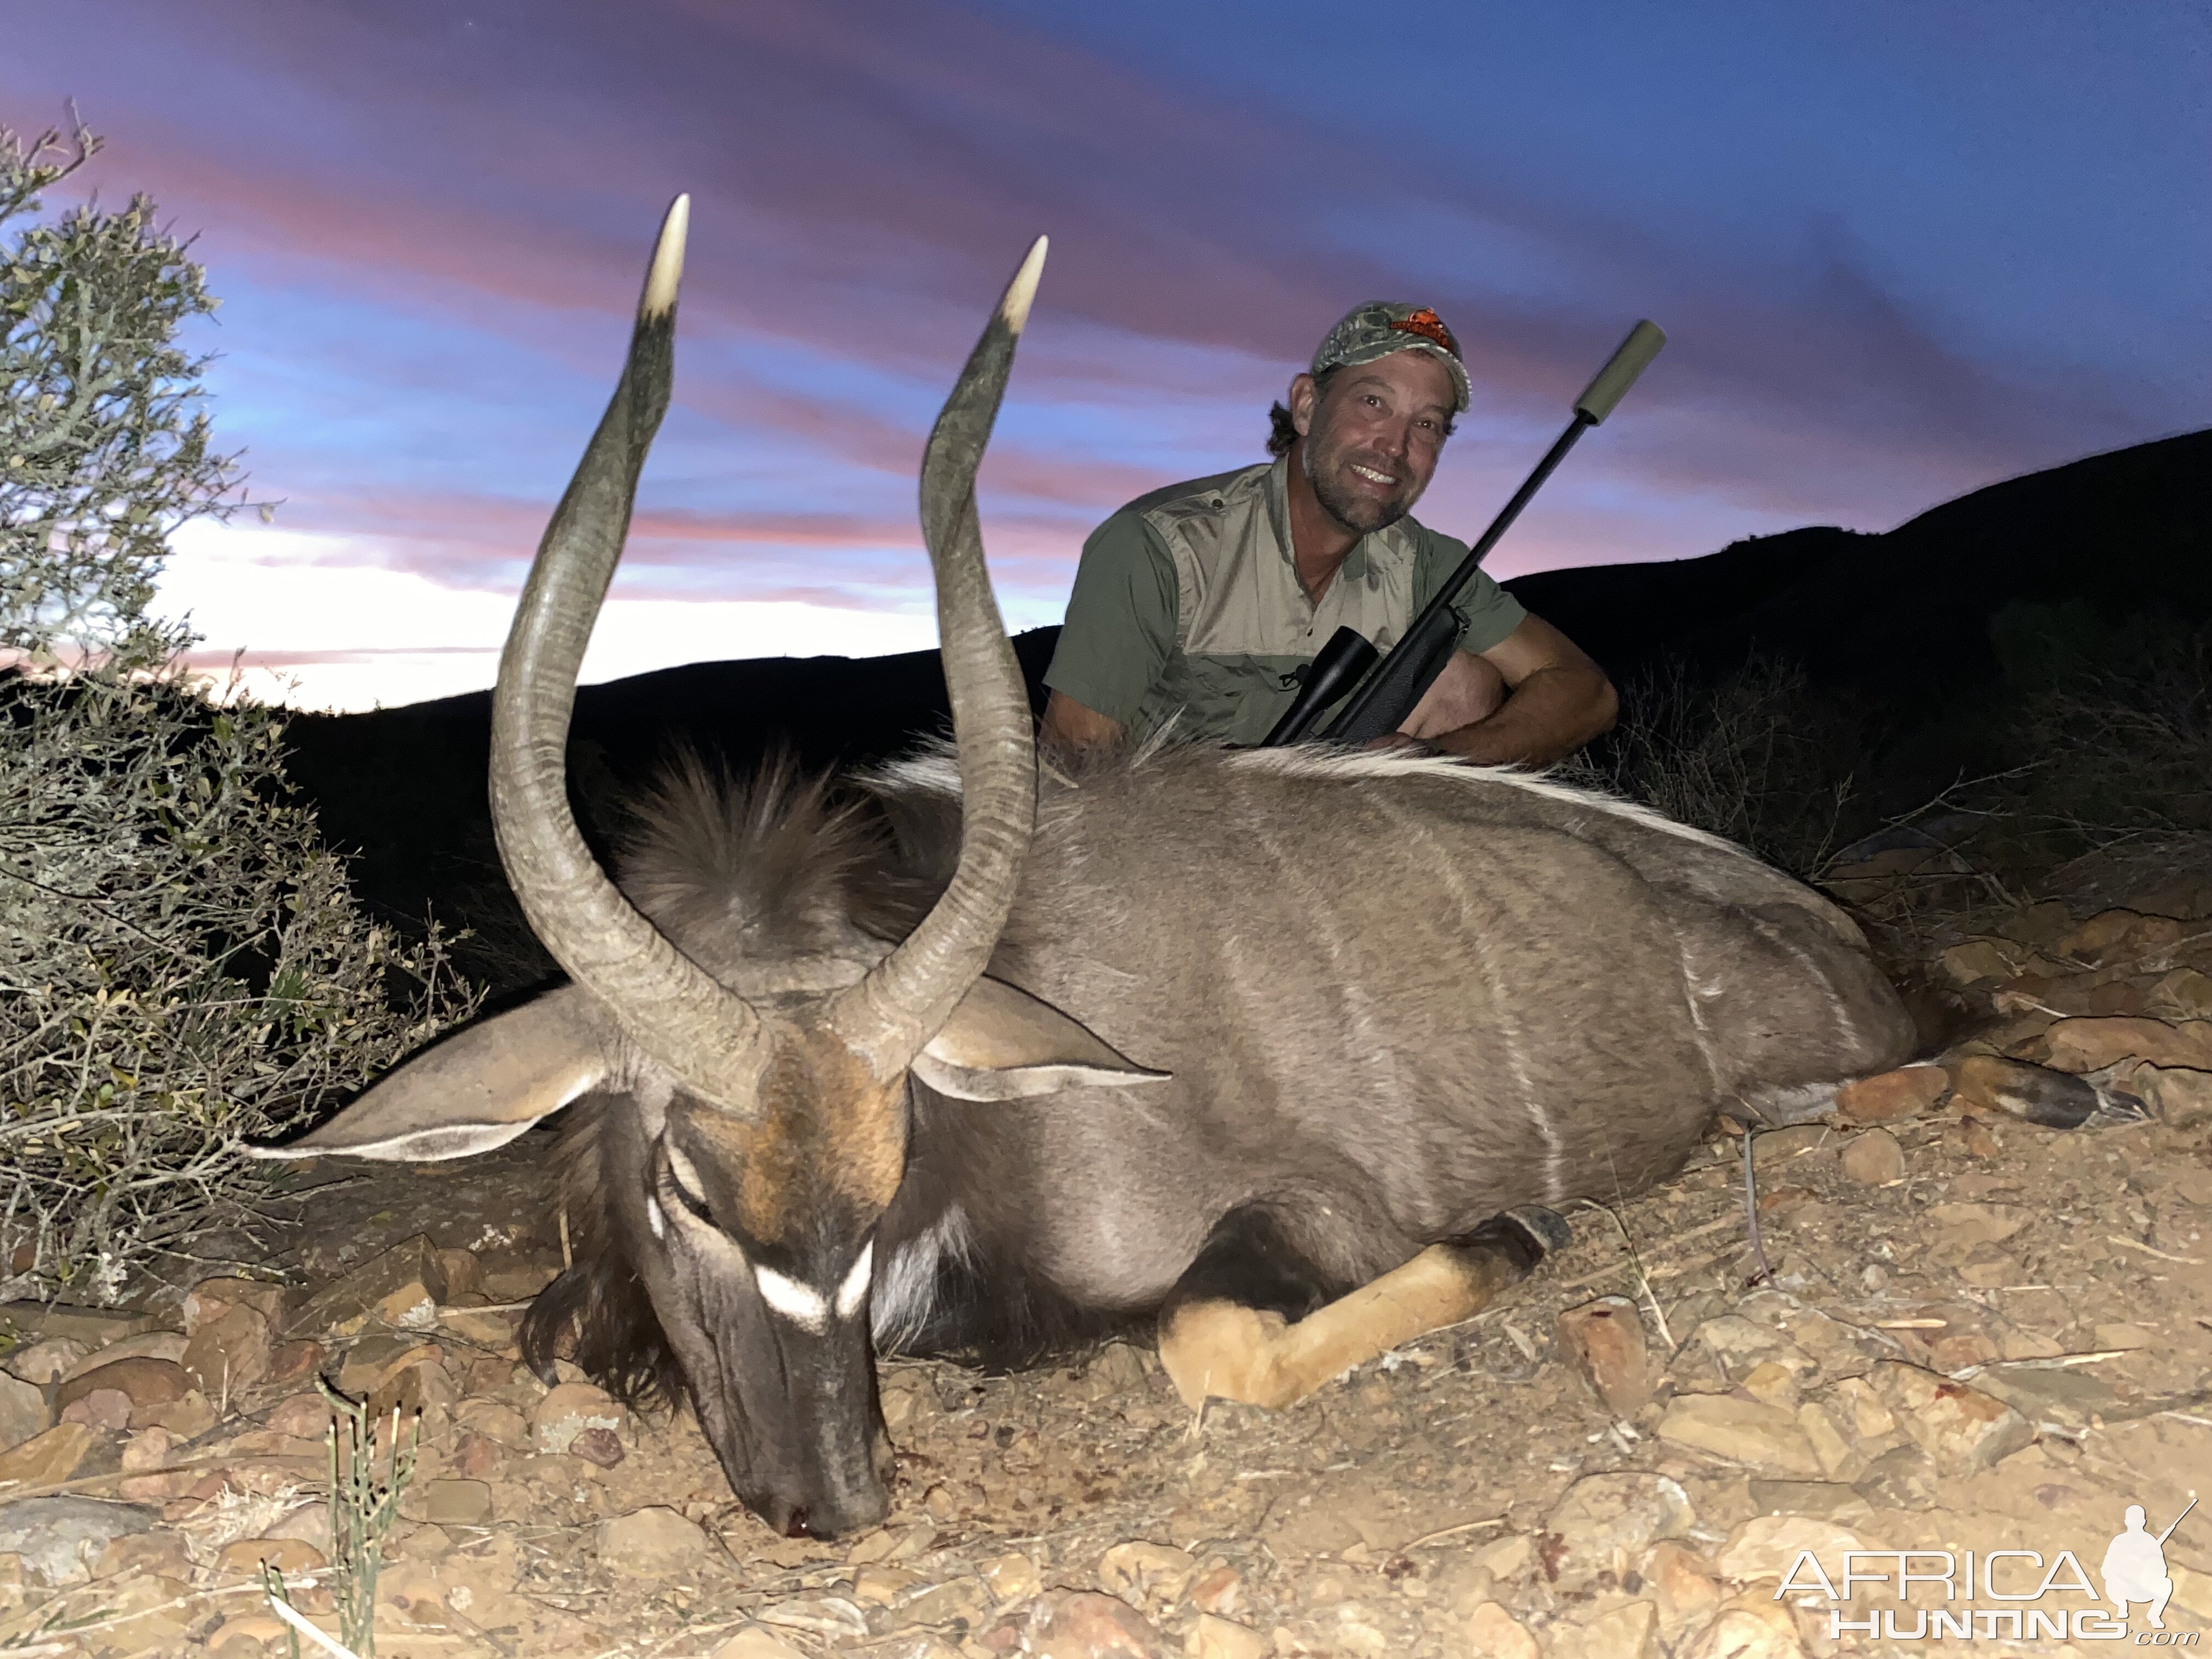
[1958, 1328]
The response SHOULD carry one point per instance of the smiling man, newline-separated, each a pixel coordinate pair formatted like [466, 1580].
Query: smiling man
[1201, 603]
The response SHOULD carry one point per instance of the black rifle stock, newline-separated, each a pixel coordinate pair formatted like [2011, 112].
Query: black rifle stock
[1383, 701]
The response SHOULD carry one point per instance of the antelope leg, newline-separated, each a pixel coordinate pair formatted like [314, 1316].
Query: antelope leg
[1232, 1352]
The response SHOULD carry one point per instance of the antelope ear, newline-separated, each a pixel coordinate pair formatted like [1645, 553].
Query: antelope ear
[1005, 1044]
[473, 1091]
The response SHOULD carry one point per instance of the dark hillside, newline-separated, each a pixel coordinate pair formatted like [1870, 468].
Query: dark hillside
[2128, 533]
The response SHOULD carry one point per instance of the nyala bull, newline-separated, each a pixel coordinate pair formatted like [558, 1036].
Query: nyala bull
[1292, 1051]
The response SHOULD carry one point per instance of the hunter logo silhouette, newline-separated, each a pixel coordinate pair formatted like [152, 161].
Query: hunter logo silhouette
[2134, 1567]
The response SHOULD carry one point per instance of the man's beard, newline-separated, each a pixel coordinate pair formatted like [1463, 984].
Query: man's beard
[1324, 469]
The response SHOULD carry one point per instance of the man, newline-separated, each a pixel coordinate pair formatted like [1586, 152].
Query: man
[1200, 604]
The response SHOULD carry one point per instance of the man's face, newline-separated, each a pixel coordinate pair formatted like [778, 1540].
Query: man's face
[1371, 443]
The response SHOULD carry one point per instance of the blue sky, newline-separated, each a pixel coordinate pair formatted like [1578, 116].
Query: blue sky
[1902, 250]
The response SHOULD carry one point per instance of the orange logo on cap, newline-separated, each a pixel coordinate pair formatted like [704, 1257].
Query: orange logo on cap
[1430, 326]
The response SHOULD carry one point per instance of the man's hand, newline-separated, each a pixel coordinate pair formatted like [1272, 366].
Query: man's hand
[1556, 699]
[1075, 733]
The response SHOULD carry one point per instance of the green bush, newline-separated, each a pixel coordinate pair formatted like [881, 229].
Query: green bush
[182, 965]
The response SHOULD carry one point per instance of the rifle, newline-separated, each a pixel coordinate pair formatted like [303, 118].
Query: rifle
[1389, 692]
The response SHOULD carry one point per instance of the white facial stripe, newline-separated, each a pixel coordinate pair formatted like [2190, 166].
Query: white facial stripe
[853, 1294]
[686, 1173]
[802, 1304]
[653, 1214]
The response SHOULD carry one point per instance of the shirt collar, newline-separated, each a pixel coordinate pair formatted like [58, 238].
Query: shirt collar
[1354, 568]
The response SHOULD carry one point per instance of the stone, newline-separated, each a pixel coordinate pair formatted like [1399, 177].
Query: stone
[1629, 1632]
[486, 1330]
[295, 1360]
[1969, 1225]
[1505, 1558]
[105, 1409]
[48, 1459]
[568, 1410]
[602, 1448]
[449, 1503]
[1765, 1437]
[165, 1554]
[2091, 1044]
[1874, 1158]
[1764, 1546]
[656, 1542]
[1494, 1633]
[2118, 937]
[1605, 1520]
[1214, 1637]
[1824, 1500]
[496, 1421]
[60, 1538]
[289, 1556]
[1083, 1624]
[401, 1288]
[881, 1586]
[2182, 1097]
[1117, 1369]
[1016, 1578]
[185, 1418]
[1893, 1097]
[230, 1352]
[145, 1345]
[1604, 1339]
[962, 1601]
[1979, 959]
[758, 1642]
[1138, 1573]
[1963, 1429]
[1218, 1589]
[23, 1412]
[96, 1327]
[1739, 1633]
[374, 1362]
[47, 1360]
[149, 1382]
[1680, 1579]
[301, 1417]
[211, 1299]
[2183, 994]
[1902, 1477]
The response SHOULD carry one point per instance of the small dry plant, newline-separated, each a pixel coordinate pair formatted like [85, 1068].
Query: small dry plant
[364, 1504]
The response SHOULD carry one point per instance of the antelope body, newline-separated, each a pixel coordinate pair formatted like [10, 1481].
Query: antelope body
[1281, 1046]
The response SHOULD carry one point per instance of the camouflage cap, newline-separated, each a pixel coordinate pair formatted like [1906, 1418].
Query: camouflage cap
[1382, 326]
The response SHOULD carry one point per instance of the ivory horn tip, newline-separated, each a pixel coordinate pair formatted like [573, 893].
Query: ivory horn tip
[1022, 291]
[667, 271]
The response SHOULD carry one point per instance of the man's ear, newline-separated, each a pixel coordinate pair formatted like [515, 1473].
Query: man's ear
[1005, 1044]
[475, 1091]
[1304, 394]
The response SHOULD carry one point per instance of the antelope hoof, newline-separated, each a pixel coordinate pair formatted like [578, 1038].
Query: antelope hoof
[1225, 1349]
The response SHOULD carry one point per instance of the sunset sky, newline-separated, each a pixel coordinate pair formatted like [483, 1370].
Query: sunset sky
[1902, 248]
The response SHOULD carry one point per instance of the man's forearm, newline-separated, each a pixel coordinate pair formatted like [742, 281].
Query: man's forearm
[1549, 715]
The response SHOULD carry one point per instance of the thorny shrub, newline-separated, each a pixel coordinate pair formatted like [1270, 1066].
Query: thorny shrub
[182, 965]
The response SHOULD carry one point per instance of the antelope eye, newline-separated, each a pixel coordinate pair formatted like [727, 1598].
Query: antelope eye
[684, 1180]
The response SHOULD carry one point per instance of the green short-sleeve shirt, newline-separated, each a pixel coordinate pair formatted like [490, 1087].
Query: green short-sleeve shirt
[1187, 607]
